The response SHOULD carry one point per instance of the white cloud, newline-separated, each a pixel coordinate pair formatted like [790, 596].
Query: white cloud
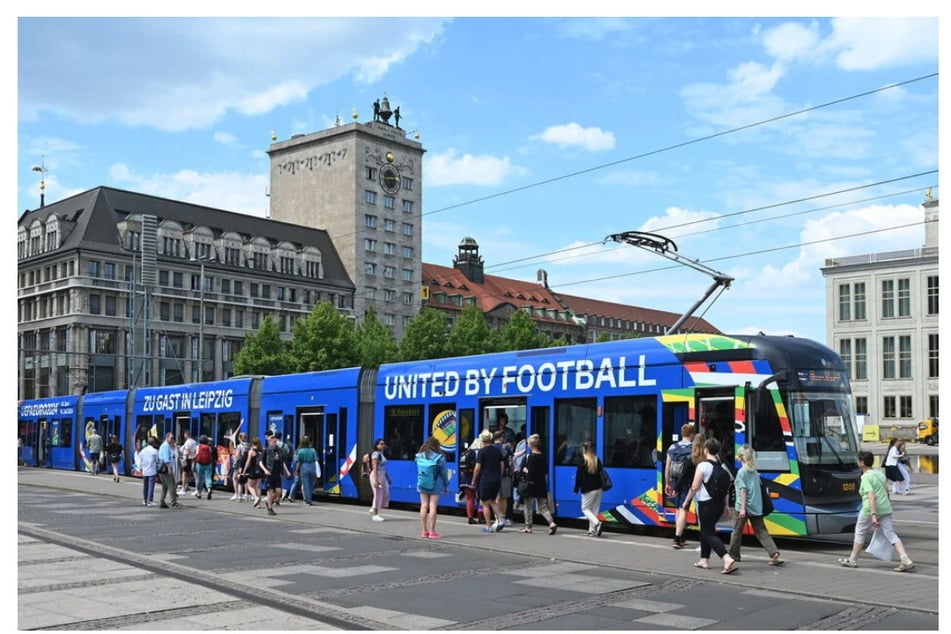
[871, 43]
[792, 41]
[226, 138]
[573, 135]
[180, 74]
[449, 168]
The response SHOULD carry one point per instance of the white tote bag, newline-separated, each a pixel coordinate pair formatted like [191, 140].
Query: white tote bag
[879, 546]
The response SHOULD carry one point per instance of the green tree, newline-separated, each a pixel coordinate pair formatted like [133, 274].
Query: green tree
[426, 336]
[324, 340]
[470, 334]
[374, 342]
[521, 333]
[263, 352]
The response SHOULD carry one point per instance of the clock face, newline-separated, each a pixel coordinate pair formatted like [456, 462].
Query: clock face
[389, 179]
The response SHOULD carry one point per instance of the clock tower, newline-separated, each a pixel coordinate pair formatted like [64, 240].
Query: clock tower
[362, 183]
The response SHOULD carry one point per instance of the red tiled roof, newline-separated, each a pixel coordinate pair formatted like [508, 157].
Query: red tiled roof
[586, 307]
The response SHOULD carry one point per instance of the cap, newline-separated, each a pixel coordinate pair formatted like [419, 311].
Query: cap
[486, 436]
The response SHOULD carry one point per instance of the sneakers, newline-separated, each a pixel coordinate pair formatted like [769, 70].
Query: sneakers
[234, 498]
[679, 542]
[507, 522]
[498, 526]
[209, 494]
[473, 520]
[434, 535]
[488, 530]
[905, 567]
[197, 494]
[849, 563]
[377, 518]
[271, 512]
[425, 535]
[598, 528]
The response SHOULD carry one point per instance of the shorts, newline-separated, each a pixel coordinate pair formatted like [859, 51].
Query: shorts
[505, 487]
[489, 489]
[677, 499]
[187, 467]
[94, 456]
[274, 481]
[864, 528]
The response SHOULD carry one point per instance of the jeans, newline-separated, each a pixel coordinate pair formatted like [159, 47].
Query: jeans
[203, 477]
[307, 479]
[148, 488]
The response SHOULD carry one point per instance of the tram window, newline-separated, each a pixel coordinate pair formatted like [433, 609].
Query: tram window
[65, 436]
[403, 429]
[230, 424]
[206, 425]
[444, 425]
[465, 427]
[766, 435]
[143, 427]
[630, 431]
[575, 423]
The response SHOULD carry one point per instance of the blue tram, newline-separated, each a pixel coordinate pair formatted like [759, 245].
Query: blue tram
[788, 398]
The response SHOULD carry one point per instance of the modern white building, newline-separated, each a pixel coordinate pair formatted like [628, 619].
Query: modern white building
[882, 318]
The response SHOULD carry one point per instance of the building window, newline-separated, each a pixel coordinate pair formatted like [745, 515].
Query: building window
[408, 206]
[408, 252]
[888, 298]
[110, 306]
[369, 245]
[225, 286]
[165, 311]
[265, 291]
[178, 280]
[389, 202]
[861, 359]
[845, 351]
[389, 225]
[287, 265]
[933, 356]
[407, 183]
[370, 268]
[109, 271]
[932, 294]
[904, 357]
[408, 299]
[888, 357]
[859, 296]
[388, 295]
[933, 405]
[238, 288]
[389, 248]
[92, 267]
[225, 316]
[370, 221]
[904, 405]
[407, 229]
[389, 272]
[370, 197]
[888, 407]
[178, 312]
[389, 320]
[845, 302]
[861, 405]
[371, 174]
[407, 275]
[94, 304]
[904, 297]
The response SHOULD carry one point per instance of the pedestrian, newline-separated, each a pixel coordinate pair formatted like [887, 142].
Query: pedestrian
[240, 478]
[167, 457]
[307, 470]
[749, 508]
[710, 507]
[518, 460]
[535, 472]
[904, 467]
[379, 480]
[287, 448]
[487, 480]
[252, 469]
[148, 463]
[876, 512]
[94, 447]
[508, 472]
[275, 468]
[203, 464]
[188, 448]
[588, 483]
[114, 454]
[467, 464]
[678, 476]
[892, 472]
[430, 484]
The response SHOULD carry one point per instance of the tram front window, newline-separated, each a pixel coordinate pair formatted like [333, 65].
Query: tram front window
[824, 428]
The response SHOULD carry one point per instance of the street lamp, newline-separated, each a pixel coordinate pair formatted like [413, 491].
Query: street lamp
[41, 168]
[201, 317]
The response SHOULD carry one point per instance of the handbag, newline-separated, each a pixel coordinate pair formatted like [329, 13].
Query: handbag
[521, 484]
[162, 468]
[606, 483]
[767, 500]
[879, 546]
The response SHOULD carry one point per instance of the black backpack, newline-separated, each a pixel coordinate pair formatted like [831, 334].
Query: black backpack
[681, 464]
[467, 460]
[718, 484]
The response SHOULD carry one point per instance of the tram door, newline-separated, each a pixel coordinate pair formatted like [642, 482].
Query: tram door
[716, 415]
[675, 415]
[311, 423]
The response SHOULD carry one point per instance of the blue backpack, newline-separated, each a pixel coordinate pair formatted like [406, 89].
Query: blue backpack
[427, 470]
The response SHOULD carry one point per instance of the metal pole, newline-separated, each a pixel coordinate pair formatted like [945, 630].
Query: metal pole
[201, 326]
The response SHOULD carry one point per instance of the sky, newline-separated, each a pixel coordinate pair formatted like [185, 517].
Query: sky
[760, 146]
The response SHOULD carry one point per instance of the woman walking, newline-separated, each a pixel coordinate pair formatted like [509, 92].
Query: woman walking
[709, 508]
[114, 454]
[588, 482]
[465, 481]
[892, 472]
[379, 480]
[749, 508]
[430, 452]
[535, 472]
[307, 470]
[904, 467]
[252, 469]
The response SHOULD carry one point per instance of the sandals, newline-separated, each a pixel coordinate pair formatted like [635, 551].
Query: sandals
[701, 565]
[729, 569]
[552, 529]
[775, 560]
[525, 529]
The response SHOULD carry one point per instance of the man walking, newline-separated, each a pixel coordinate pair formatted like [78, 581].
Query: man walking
[678, 475]
[189, 447]
[166, 471]
[876, 513]
[94, 446]
[275, 469]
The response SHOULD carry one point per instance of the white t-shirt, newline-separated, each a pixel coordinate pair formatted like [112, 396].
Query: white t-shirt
[891, 460]
[707, 470]
[190, 448]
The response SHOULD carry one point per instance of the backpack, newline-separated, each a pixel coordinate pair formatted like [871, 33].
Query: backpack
[427, 470]
[467, 460]
[507, 467]
[681, 464]
[719, 482]
[203, 455]
[366, 466]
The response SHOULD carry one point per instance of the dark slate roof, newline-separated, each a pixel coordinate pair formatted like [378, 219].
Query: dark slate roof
[96, 213]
